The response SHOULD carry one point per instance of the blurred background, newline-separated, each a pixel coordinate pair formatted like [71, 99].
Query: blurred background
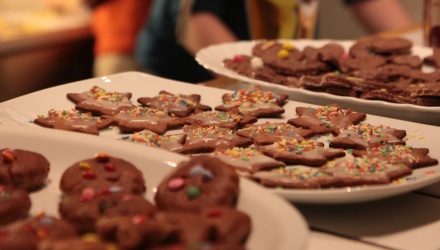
[42, 47]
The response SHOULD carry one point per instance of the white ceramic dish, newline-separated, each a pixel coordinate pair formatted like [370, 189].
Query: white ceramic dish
[22, 110]
[212, 58]
[284, 229]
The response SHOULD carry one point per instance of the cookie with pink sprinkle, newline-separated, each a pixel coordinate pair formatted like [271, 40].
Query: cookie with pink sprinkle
[180, 105]
[301, 151]
[253, 102]
[102, 173]
[136, 119]
[171, 142]
[99, 101]
[270, 132]
[73, 120]
[202, 182]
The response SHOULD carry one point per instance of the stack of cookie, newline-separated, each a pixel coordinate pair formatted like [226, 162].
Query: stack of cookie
[103, 206]
[373, 68]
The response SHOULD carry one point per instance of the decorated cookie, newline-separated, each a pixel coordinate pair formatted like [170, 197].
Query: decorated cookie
[179, 105]
[148, 138]
[73, 120]
[400, 154]
[83, 210]
[219, 119]
[297, 151]
[253, 102]
[100, 102]
[87, 241]
[295, 177]
[208, 139]
[247, 160]
[233, 226]
[358, 171]
[201, 182]
[32, 232]
[364, 135]
[102, 173]
[23, 169]
[327, 119]
[137, 119]
[14, 204]
[271, 132]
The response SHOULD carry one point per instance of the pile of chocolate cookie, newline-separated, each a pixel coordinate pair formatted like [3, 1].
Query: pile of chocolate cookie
[322, 147]
[103, 206]
[373, 68]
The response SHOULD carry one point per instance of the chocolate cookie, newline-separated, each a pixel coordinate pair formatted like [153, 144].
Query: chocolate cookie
[201, 182]
[208, 139]
[295, 177]
[219, 119]
[297, 151]
[358, 171]
[100, 102]
[137, 119]
[38, 230]
[73, 120]
[102, 173]
[271, 132]
[23, 169]
[400, 154]
[327, 119]
[83, 210]
[365, 136]
[179, 105]
[247, 160]
[14, 204]
[148, 138]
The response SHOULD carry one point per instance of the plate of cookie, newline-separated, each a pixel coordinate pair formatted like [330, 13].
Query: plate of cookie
[294, 149]
[89, 183]
[385, 77]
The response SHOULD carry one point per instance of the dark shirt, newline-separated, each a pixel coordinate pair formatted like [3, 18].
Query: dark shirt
[158, 50]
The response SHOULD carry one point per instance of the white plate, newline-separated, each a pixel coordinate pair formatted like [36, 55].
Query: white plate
[22, 110]
[212, 58]
[271, 230]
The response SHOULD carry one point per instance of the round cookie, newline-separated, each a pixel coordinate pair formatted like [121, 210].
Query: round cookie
[102, 173]
[23, 169]
[203, 181]
[14, 204]
[38, 230]
[82, 211]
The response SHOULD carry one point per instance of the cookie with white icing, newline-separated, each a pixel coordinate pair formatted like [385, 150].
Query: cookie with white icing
[219, 119]
[270, 132]
[99, 101]
[365, 135]
[136, 119]
[327, 119]
[207, 139]
[180, 105]
[253, 102]
[171, 142]
[297, 151]
[247, 160]
[73, 120]
[400, 154]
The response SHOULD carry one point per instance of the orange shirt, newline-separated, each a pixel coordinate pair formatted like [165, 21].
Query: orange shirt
[115, 24]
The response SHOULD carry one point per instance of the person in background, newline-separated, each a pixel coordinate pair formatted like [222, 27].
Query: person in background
[176, 30]
[115, 25]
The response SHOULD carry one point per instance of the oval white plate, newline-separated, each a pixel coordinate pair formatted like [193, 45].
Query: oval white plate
[276, 223]
[212, 58]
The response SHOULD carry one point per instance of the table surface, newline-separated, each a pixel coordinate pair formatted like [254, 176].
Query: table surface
[409, 221]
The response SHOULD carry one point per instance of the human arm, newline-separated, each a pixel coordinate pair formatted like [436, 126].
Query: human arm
[380, 15]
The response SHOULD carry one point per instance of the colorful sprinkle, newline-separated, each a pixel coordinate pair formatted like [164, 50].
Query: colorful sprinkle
[176, 183]
[193, 192]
